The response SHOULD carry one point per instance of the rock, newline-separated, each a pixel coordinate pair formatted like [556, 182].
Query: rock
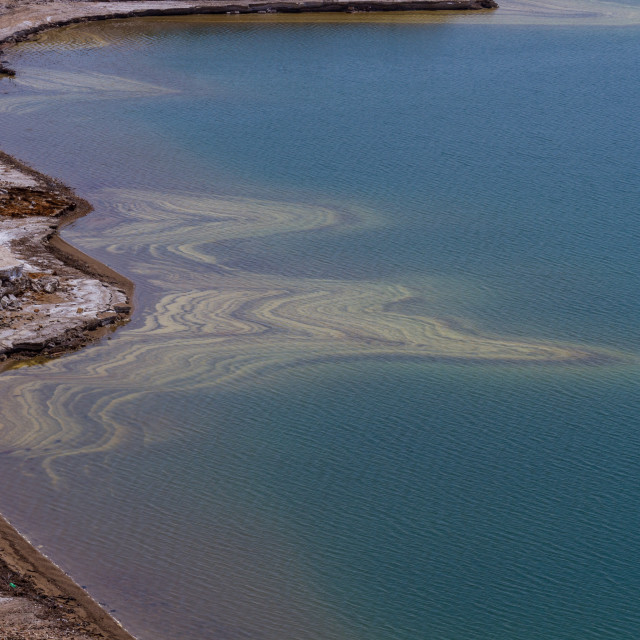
[46, 284]
[10, 267]
[28, 346]
[15, 286]
[6, 71]
[51, 286]
[107, 318]
[10, 302]
[10, 272]
[122, 308]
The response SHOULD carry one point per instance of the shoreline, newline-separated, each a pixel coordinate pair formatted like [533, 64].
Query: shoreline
[28, 19]
[54, 298]
[38, 600]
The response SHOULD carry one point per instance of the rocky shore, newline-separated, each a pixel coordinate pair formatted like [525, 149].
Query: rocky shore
[52, 298]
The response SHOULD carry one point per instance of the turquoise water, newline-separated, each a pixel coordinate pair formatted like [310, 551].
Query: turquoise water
[207, 486]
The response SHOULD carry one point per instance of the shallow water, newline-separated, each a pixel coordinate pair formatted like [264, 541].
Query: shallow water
[366, 256]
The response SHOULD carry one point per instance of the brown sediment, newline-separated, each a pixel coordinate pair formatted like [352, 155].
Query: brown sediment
[17, 202]
[39, 601]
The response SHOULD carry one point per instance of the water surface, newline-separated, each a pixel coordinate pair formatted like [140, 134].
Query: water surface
[361, 251]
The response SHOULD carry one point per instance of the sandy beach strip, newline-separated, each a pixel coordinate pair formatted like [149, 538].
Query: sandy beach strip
[39, 601]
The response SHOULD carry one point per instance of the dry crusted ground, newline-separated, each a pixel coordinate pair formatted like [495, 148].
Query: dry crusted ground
[51, 301]
[6, 5]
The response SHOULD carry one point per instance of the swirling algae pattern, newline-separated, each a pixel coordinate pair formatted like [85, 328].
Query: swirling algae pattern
[46, 86]
[217, 327]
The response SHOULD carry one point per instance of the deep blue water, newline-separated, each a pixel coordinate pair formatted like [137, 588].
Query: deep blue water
[387, 498]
